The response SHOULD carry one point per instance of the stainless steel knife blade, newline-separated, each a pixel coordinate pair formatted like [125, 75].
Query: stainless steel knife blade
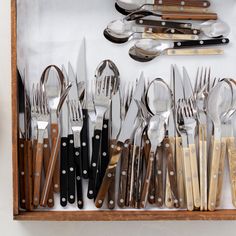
[188, 89]
[115, 115]
[73, 94]
[128, 125]
[178, 85]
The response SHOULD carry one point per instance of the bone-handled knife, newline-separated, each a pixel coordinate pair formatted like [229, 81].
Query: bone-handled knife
[81, 77]
[125, 134]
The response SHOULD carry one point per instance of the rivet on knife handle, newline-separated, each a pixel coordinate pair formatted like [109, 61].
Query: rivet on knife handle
[109, 175]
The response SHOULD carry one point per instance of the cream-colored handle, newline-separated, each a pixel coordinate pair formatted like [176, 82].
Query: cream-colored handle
[164, 36]
[221, 170]
[203, 166]
[190, 52]
[194, 173]
[188, 179]
[180, 170]
[231, 151]
[214, 171]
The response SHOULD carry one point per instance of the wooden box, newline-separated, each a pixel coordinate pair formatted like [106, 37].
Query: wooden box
[86, 215]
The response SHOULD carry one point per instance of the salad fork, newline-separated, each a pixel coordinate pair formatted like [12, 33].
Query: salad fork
[76, 119]
[40, 114]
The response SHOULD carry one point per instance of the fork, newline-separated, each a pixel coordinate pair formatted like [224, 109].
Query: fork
[102, 101]
[76, 119]
[40, 113]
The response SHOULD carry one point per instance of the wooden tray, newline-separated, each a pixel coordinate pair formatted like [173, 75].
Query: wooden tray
[82, 215]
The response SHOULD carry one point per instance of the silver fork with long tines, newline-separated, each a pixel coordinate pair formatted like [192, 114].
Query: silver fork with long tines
[40, 114]
[76, 120]
[102, 101]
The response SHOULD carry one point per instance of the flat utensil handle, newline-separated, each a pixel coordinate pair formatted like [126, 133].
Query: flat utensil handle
[194, 52]
[180, 9]
[165, 36]
[169, 147]
[214, 172]
[79, 185]
[110, 174]
[202, 140]
[46, 156]
[231, 151]
[123, 174]
[188, 16]
[38, 174]
[221, 170]
[191, 3]
[64, 172]
[50, 171]
[56, 173]
[195, 178]
[188, 179]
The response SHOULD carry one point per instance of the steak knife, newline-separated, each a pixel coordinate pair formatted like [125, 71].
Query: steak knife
[125, 134]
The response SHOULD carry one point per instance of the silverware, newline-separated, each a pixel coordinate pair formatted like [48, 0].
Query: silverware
[125, 134]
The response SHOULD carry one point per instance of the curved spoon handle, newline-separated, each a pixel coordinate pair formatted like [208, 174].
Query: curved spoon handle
[214, 171]
[164, 36]
[231, 150]
[192, 52]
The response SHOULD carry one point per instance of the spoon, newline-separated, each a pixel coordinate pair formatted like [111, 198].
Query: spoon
[148, 49]
[216, 108]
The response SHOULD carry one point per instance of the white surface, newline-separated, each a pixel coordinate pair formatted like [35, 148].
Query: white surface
[10, 228]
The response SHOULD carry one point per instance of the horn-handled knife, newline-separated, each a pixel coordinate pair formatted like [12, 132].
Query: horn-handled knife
[125, 134]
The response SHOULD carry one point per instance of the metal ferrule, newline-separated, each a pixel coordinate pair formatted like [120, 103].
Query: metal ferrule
[40, 135]
[77, 141]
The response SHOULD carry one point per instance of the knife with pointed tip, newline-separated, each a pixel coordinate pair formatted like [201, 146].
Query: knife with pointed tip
[81, 73]
[125, 134]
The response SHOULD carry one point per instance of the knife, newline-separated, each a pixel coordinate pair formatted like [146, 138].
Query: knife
[81, 72]
[64, 176]
[188, 93]
[125, 134]
[177, 84]
[115, 129]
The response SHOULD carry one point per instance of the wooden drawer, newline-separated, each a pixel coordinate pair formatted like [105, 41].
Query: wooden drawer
[86, 215]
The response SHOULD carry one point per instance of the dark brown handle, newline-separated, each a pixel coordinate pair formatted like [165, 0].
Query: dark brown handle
[152, 190]
[188, 16]
[38, 173]
[169, 144]
[22, 173]
[56, 174]
[46, 156]
[128, 200]
[188, 3]
[109, 175]
[147, 179]
[123, 174]
[50, 171]
[29, 175]
[159, 177]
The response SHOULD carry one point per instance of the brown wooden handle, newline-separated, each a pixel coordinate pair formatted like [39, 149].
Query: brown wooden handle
[191, 3]
[214, 172]
[203, 165]
[159, 177]
[56, 174]
[129, 200]
[188, 179]
[50, 171]
[169, 201]
[221, 170]
[109, 175]
[22, 183]
[46, 156]
[38, 173]
[123, 175]
[147, 179]
[188, 16]
[180, 9]
[180, 170]
[29, 175]
[195, 178]
[231, 151]
[169, 144]
[152, 190]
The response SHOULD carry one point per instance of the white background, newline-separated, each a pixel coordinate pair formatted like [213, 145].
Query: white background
[224, 66]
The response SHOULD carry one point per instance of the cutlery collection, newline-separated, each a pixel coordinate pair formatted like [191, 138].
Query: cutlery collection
[152, 144]
[142, 23]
